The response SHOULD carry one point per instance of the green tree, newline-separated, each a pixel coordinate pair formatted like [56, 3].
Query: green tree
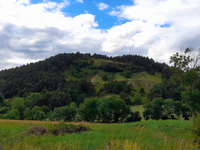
[39, 115]
[113, 109]
[4, 110]
[13, 114]
[154, 109]
[28, 114]
[125, 98]
[168, 108]
[105, 77]
[18, 103]
[1, 98]
[137, 99]
[89, 110]
[186, 70]
[142, 91]
[127, 73]
[67, 113]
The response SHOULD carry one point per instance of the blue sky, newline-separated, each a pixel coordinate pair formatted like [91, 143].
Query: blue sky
[33, 30]
[105, 21]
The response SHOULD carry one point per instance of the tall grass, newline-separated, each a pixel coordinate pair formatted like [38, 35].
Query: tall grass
[149, 135]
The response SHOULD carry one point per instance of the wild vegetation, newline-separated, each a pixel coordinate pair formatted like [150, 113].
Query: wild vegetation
[100, 89]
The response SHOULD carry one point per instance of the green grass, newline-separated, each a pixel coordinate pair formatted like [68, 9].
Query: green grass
[149, 135]
[138, 80]
[99, 61]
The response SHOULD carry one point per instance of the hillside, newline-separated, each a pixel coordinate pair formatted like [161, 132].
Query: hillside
[77, 76]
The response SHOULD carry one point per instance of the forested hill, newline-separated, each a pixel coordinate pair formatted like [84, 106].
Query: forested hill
[68, 73]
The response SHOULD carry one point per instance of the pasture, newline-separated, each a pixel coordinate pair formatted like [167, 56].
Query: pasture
[144, 135]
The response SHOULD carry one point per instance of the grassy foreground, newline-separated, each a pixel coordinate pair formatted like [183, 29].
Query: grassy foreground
[145, 135]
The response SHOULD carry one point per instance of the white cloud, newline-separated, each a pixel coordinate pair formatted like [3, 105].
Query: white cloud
[181, 16]
[102, 6]
[30, 32]
[80, 1]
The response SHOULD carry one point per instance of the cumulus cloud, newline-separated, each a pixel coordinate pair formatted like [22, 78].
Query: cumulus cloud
[167, 26]
[31, 32]
[102, 6]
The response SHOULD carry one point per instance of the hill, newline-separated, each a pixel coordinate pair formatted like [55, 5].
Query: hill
[78, 76]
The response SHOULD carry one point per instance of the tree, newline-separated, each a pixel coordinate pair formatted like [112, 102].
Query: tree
[137, 99]
[18, 103]
[127, 73]
[89, 110]
[112, 109]
[28, 114]
[186, 68]
[105, 77]
[1, 98]
[13, 114]
[154, 109]
[67, 113]
[125, 98]
[142, 91]
[4, 110]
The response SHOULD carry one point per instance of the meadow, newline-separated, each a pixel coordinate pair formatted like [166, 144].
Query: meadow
[144, 135]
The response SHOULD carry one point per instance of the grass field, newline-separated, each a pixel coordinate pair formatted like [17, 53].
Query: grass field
[148, 135]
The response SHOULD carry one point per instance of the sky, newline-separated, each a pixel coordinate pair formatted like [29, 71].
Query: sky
[33, 30]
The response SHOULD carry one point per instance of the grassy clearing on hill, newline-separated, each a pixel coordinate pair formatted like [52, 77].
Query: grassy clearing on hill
[138, 80]
[99, 61]
[148, 135]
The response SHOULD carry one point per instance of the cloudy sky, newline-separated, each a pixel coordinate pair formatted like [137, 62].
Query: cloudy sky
[32, 30]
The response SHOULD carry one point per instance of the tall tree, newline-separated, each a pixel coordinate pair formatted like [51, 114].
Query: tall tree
[186, 67]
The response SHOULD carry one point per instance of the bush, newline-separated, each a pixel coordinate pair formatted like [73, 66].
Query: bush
[137, 99]
[154, 109]
[4, 110]
[196, 128]
[13, 114]
[133, 117]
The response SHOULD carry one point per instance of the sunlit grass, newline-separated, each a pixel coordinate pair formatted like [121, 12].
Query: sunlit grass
[149, 135]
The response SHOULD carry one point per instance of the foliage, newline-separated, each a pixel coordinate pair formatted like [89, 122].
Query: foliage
[169, 89]
[166, 109]
[111, 109]
[186, 68]
[196, 128]
[105, 77]
[137, 99]
[18, 103]
[127, 73]
[1, 98]
[153, 109]
[117, 87]
[142, 91]
[4, 110]
[13, 114]
[67, 113]
[133, 117]
[50, 73]
[89, 110]
[125, 98]
[28, 114]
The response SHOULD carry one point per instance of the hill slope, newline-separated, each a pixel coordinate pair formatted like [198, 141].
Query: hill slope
[67, 72]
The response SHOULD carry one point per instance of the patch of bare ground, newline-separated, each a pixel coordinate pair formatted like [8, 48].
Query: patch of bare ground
[56, 129]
